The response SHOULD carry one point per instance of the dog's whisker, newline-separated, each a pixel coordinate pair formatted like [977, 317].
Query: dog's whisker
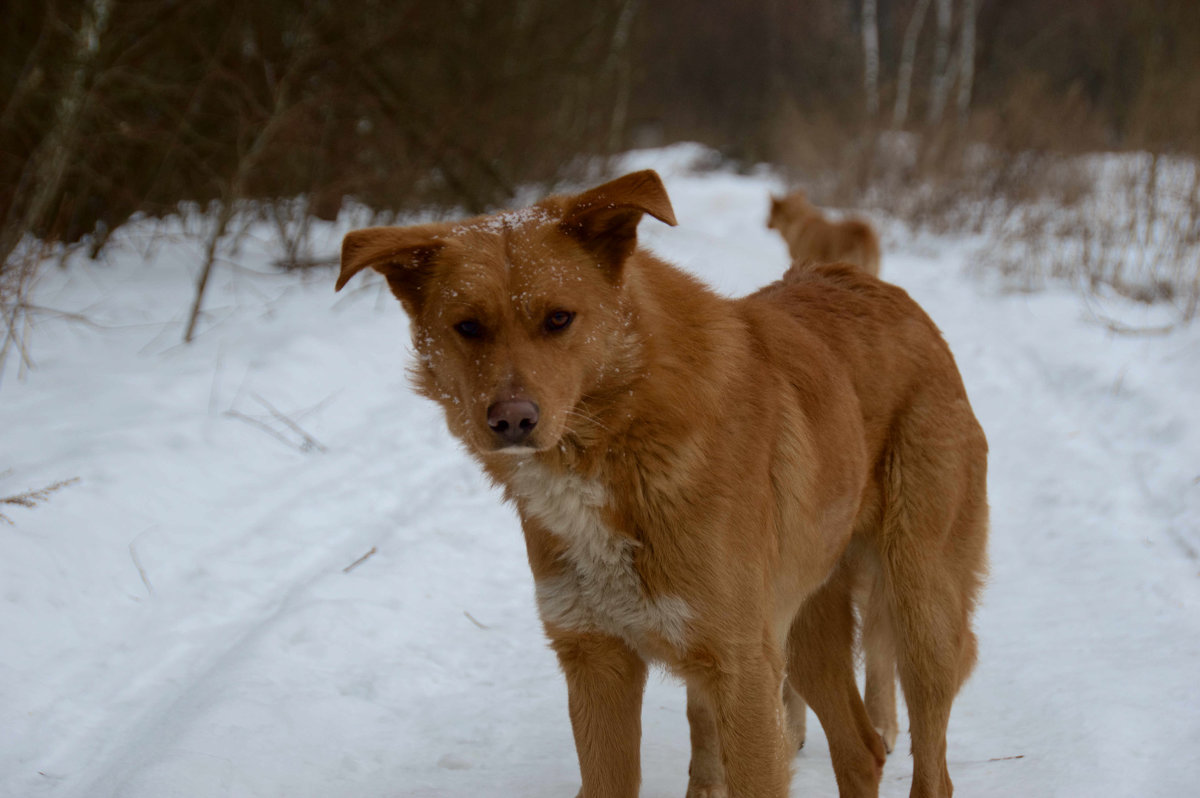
[591, 419]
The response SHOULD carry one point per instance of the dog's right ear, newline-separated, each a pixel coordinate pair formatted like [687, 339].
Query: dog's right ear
[404, 255]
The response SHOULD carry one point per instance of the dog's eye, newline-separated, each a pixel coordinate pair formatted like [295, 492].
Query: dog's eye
[469, 328]
[559, 320]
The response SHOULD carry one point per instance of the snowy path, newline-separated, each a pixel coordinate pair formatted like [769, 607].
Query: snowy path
[181, 623]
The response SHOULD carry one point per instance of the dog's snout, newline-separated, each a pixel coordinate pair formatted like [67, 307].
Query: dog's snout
[513, 419]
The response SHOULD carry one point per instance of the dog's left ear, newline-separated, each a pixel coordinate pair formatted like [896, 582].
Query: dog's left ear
[605, 219]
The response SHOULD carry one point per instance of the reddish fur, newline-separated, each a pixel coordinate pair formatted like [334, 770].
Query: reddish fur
[734, 466]
[813, 239]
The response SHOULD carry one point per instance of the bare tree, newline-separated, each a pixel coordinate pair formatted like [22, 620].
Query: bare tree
[110, 109]
[908, 55]
[939, 81]
[966, 60]
[620, 65]
[30, 76]
[870, 38]
[234, 189]
[44, 172]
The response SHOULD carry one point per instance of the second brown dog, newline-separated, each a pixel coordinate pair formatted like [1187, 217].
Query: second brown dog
[812, 239]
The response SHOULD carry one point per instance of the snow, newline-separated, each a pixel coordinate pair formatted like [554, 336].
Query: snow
[194, 617]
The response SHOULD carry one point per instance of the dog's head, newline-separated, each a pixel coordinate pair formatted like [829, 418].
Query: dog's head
[790, 208]
[519, 319]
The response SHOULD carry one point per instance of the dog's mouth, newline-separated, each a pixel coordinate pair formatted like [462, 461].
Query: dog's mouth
[527, 447]
[515, 450]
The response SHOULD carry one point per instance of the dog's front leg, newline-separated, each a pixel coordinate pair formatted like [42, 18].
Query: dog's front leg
[744, 702]
[605, 681]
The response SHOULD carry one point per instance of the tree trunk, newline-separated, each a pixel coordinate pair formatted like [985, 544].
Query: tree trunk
[966, 61]
[224, 216]
[620, 65]
[908, 54]
[43, 174]
[939, 82]
[236, 188]
[42, 179]
[870, 36]
[30, 75]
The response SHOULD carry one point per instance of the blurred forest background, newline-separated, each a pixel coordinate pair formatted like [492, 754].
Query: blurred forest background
[116, 108]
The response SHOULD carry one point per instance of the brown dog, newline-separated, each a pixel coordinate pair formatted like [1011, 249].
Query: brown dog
[702, 481]
[813, 239]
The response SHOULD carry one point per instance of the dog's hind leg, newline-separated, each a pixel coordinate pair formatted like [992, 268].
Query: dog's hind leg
[821, 668]
[934, 647]
[879, 654]
[935, 530]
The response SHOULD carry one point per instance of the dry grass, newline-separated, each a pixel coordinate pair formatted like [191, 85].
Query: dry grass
[17, 276]
[1129, 222]
[1135, 231]
[32, 498]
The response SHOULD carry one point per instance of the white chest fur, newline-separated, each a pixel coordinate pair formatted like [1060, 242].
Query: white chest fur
[599, 589]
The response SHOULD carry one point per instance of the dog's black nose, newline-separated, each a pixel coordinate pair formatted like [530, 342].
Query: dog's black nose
[513, 419]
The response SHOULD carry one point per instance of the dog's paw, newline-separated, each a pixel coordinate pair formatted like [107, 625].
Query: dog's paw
[707, 791]
[795, 737]
[888, 735]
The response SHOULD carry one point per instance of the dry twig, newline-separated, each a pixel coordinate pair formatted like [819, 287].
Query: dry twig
[307, 442]
[310, 442]
[137, 563]
[267, 428]
[471, 618]
[359, 561]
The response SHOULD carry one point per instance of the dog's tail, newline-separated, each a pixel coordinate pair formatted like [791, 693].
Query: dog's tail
[865, 252]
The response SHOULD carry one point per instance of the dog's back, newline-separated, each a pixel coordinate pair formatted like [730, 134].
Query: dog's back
[893, 352]
[813, 239]
[902, 371]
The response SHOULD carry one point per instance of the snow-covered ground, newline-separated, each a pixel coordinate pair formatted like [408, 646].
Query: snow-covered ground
[193, 617]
